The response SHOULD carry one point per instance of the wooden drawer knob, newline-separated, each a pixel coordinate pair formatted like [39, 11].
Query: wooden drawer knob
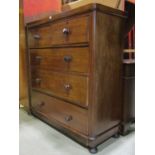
[67, 58]
[38, 58]
[67, 87]
[36, 36]
[38, 80]
[65, 31]
[41, 104]
[68, 118]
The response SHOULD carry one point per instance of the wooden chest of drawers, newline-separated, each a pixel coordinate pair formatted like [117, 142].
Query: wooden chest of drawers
[75, 70]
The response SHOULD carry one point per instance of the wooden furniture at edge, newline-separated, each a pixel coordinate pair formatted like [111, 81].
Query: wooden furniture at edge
[128, 91]
[128, 116]
[75, 69]
[23, 90]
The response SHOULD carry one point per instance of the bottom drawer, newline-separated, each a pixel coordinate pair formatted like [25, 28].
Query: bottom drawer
[72, 116]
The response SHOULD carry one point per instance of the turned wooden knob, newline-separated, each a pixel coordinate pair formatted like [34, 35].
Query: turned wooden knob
[68, 58]
[36, 36]
[38, 58]
[67, 87]
[68, 118]
[41, 104]
[65, 31]
[38, 80]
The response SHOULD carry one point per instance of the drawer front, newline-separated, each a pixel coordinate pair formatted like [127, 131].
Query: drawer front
[66, 59]
[72, 116]
[63, 32]
[70, 87]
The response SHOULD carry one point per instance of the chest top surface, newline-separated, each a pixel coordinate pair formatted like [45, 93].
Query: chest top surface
[81, 10]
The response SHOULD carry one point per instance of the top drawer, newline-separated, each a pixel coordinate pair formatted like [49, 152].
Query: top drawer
[69, 31]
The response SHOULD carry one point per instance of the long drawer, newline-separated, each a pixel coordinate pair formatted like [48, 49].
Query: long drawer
[68, 31]
[66, 59]
[71, 116]
[70, 87]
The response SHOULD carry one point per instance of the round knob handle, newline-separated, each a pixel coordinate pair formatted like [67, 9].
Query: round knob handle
[37, 80]
[67, 58]
[65, 31]
[36, 36]
[38, 58]
[68, 118]
[41, 104]
[67, 87]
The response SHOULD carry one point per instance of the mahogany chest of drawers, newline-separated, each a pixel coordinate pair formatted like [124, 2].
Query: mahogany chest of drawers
[75, 72]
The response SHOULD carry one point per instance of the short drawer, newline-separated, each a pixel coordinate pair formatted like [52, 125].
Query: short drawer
[72, 116]
[69, 31]
[70, 87]
[62, 59]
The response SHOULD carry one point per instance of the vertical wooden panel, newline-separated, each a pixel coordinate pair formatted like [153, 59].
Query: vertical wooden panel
[23, 94]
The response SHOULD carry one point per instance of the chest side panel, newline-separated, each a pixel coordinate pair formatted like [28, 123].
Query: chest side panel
[107, 72]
